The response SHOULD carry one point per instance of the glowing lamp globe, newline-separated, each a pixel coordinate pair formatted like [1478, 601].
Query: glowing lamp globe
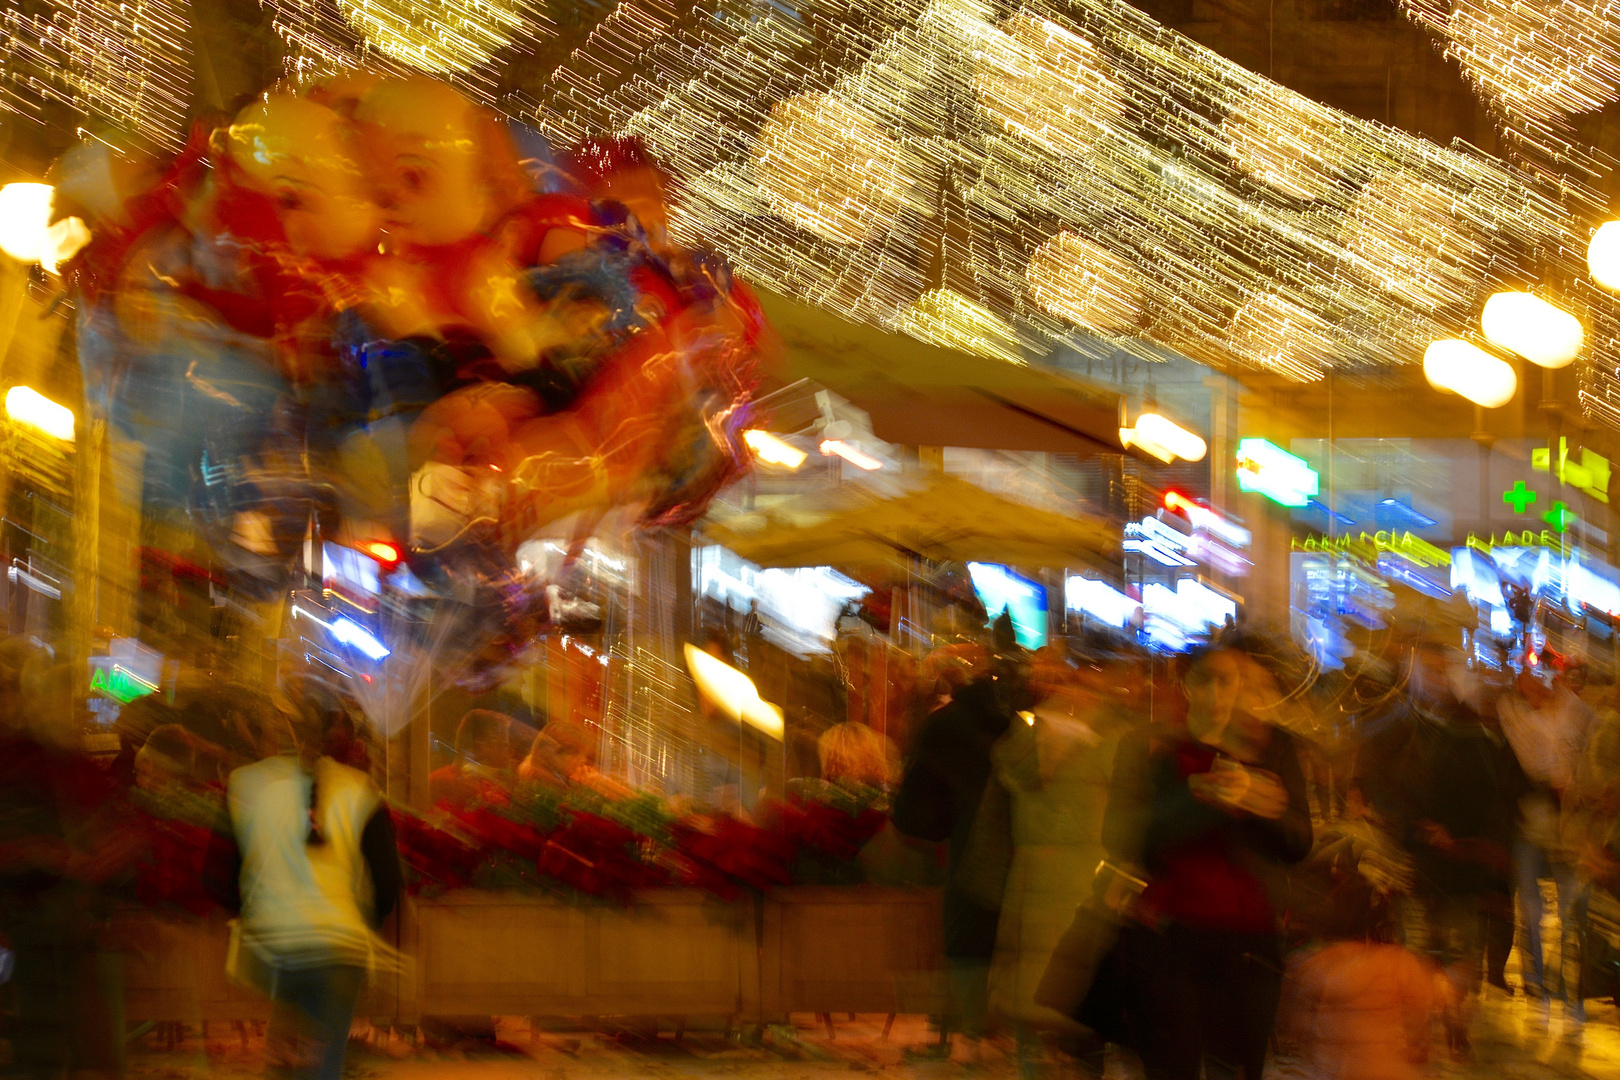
[1603, 255]
[1524, 323]
[25, 213]
[1166, 439]
[1461, 367]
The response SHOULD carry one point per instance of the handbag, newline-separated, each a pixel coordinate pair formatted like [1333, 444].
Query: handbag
[1081, 955]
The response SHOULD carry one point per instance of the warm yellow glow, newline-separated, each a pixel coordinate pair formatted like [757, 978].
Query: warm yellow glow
[1164, 439]
[1076, 280]
[62, 241]
[1415, 239]
[30, 407]
[946, 318]
[25, 214]
[1524, 323]
[858, 458]
[1285, 141]
[1603, 255]
[828, 168]
[773, 451]
[1462, 367]
[732, 691]
[1275, 333]
[1046, 84]
[440, 36]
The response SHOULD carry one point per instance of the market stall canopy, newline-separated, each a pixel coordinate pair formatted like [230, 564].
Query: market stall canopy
[919, 394]
[935, 517]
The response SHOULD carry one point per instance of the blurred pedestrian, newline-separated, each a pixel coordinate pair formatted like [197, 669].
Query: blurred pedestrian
[1360, 1007]
[1054, 764]
[1548, 727]
[313, 868]
[1212, 814]
[939, 797]
[1459, 785]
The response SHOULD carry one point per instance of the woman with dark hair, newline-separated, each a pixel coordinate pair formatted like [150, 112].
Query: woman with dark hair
[1211, 814]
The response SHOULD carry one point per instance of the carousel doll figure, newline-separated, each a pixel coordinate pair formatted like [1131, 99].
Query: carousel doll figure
[446, 172]
[302, 157]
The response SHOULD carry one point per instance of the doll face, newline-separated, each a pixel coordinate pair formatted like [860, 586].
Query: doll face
[301, 155]
[426, 160]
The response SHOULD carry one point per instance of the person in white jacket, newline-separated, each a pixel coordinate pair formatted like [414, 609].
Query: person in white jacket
[316, 871]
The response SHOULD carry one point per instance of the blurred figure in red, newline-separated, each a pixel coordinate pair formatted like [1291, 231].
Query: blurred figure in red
[64, 835]
[1210, 814]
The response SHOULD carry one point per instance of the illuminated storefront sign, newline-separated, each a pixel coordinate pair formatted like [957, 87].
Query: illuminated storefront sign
[119, 683]
[1590, 474]
[1543, 539]
[1369, 546]
[1268, 469]
[1158, 541]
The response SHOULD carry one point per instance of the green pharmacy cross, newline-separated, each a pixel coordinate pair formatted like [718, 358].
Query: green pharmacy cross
[1519, 497]
[1559, 517]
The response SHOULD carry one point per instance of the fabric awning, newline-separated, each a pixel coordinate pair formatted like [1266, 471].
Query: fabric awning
[932, 516]
[923, 395]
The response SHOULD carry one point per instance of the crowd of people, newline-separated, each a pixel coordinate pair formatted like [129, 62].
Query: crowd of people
[1206, 858]
[1215, 856]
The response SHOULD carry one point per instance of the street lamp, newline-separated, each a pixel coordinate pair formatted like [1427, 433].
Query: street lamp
[1164, 439]
[1603, 255]
[26, 231]
[1461, 367]
[1524, 323]
[25, 215]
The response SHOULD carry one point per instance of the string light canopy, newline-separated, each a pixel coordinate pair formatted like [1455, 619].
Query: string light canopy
[1010, 180]
[1081, 175]
[1533, 60]
[124, 65]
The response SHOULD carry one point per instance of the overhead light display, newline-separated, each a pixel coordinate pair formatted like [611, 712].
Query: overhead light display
[1112, 178]
[947, 318]
[1089, 286]
[1048, 85]
[826, 166]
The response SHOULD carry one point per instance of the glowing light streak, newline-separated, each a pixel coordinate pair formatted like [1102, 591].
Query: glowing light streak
[773, 451]
[1530, 326]
[30, 407]
[1202, 517]
[854, 456]
[348, 632]
[1272, 471]
[734, 692]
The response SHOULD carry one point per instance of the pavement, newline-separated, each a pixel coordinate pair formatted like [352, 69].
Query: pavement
[1510, 1043]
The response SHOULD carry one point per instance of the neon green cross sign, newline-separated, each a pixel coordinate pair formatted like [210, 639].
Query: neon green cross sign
[1518, 496]
[1558, 517]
